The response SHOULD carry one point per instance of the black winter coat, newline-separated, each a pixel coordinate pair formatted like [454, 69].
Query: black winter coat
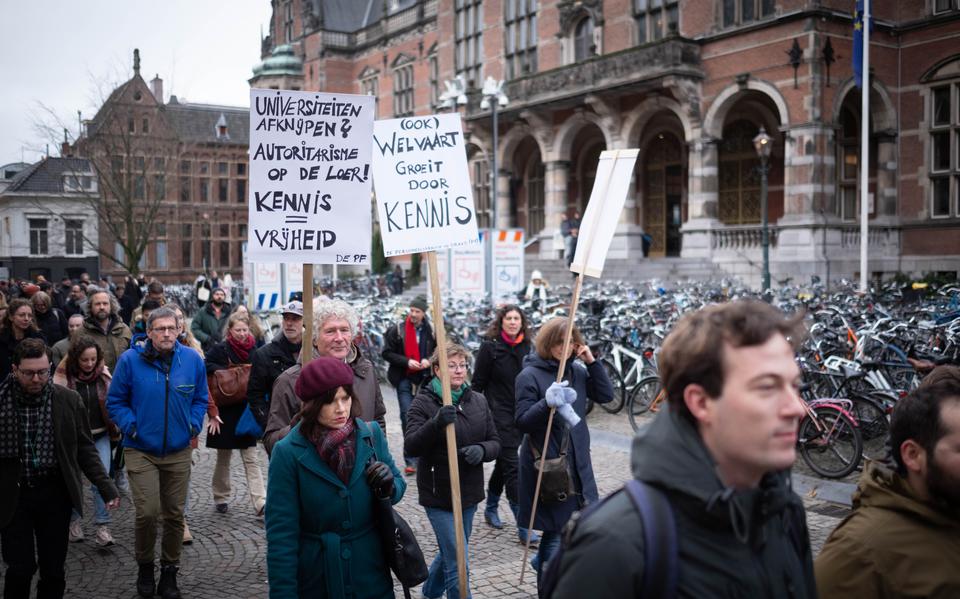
[765, 555]
[269, 362]
[494, 374]
[532, 413]
[219, 357]
[427, 440]
[7, 344]
[76, 455]
[393, 341]
[53, 325]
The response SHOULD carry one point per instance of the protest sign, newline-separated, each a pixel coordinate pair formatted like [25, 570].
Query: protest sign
[310, 177]
[424, 196]
[599, 222]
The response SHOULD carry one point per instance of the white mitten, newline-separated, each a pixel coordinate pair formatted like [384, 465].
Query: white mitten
[568, 414]
[556, 394]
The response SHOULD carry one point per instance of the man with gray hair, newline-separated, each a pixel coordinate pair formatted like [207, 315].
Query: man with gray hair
[104, 325]
[158, 397]
[334, 327]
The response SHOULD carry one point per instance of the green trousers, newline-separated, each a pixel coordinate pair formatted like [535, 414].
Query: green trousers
[159, 489]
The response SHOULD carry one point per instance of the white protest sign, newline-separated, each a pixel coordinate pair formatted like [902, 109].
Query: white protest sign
[310, 177]
[424, 197]
[600, 219]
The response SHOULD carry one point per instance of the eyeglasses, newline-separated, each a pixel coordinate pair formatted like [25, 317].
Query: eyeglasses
[461, 366]
[40, 374]
[163, 330]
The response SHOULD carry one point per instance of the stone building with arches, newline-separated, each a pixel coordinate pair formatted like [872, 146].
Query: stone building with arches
[689, 83]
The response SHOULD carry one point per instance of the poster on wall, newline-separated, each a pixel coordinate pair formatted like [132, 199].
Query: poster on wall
[309, 193]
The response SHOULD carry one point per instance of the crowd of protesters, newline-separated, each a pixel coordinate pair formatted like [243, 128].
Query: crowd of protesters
[709, 511]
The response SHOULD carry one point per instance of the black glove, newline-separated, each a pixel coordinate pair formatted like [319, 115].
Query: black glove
[446, 415]
[380, 479]
[472, 454]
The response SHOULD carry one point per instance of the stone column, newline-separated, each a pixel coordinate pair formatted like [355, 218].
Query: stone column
[703, 197]
[505, 219]
[557, 176]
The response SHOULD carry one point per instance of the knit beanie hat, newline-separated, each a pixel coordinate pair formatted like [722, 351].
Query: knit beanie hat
[322, 375]
[419, 302]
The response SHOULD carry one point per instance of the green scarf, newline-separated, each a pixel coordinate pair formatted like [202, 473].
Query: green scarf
[435, 385]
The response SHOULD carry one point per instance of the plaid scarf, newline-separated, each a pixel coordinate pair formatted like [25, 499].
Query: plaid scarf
[26, 428]
[337, 448]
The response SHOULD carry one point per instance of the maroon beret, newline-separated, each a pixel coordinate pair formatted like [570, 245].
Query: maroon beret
[322, 375]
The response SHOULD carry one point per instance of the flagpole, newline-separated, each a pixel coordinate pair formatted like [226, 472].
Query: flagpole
[864, 145]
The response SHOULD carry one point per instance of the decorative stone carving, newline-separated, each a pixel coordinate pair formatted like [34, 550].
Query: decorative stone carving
[542, 128]
[572, 11]
[609, 113]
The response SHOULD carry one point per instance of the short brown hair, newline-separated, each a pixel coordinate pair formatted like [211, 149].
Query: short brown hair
[551, 335]
[940, 374]
[453, 349]
[693, 353]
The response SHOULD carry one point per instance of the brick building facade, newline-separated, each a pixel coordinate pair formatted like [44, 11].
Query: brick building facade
[690, 83]
[188, 162]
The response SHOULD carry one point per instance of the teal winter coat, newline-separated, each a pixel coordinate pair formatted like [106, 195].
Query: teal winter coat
[322, 541]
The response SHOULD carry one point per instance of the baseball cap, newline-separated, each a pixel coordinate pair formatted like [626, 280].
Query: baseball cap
[294, 308]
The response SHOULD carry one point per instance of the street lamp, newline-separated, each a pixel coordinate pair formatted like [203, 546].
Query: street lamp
[493, 97]
[763, 144]
[456, 94]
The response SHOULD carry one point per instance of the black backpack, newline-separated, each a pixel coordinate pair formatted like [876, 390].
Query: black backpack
[660, 546]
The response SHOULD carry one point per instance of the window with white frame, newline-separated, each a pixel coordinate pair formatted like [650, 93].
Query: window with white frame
[739, 12]
[520, 27]
[370, 86]
[655, 19]
[73, 236]
[160, 252]
[39, 233]
[403, 90]
[945, 150]
[468, 40]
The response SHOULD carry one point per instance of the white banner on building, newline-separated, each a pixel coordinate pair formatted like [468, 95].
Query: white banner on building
[309, 192]
[424, 197]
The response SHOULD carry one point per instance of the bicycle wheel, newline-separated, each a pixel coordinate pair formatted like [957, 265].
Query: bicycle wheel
[834, 451]
[641, 398]
[619, 390]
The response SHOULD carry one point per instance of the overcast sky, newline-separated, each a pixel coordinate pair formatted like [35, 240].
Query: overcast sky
[65, 53]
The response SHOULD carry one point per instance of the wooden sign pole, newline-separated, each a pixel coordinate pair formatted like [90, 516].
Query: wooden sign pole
[441, 333]
[306, 351]
[574, 302]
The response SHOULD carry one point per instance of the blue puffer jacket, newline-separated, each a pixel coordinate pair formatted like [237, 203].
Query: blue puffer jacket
[158, 411]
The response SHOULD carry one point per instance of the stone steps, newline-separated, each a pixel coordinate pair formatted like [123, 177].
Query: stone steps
[633, 271]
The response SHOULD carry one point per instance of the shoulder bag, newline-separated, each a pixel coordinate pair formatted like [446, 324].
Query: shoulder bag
[228, 386]
[556, 485]
[400, 546]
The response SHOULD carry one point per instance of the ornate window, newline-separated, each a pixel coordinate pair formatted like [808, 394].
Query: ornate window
[739, 175]
[403, 90]
[370, 86]
[434, 66]
[739, 12]
[480, 169]
[655, 19]
[520, 25]
[945, 150]
[583, 45]
[468, 40]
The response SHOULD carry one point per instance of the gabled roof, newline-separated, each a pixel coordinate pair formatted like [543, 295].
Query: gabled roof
[46, 176]
[198, 122]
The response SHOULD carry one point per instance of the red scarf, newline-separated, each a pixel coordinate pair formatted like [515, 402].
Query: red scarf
[411, 347]
[337, 448]
[511, 342]
[241, 348]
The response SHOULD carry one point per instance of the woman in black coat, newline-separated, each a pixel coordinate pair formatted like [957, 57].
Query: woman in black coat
[498, 363]
[18, 324]
[426, 438]
[236, 348]
[539, 373]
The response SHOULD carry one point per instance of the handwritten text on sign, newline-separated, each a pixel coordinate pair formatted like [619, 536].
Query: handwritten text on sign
[424, 196]
[310, 177]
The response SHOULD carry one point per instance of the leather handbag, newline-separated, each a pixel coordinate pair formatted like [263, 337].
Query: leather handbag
[556, 485]
[228, 386]
[400, 546]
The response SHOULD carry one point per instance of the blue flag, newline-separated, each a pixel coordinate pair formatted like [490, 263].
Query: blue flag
[858, 44]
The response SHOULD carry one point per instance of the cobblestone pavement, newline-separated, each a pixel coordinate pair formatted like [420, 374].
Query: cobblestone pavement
[227, 558]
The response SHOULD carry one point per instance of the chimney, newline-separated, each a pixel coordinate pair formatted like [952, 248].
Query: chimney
[65, 146]
[157, 87]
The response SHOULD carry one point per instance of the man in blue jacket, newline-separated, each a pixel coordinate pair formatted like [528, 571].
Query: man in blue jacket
[158, 397]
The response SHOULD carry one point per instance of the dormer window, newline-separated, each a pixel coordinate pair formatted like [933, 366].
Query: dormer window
[221, 126]
[78, 182]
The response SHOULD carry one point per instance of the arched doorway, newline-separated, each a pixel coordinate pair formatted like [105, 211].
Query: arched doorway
[664, 197]
[584, 156]
[527, 189]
